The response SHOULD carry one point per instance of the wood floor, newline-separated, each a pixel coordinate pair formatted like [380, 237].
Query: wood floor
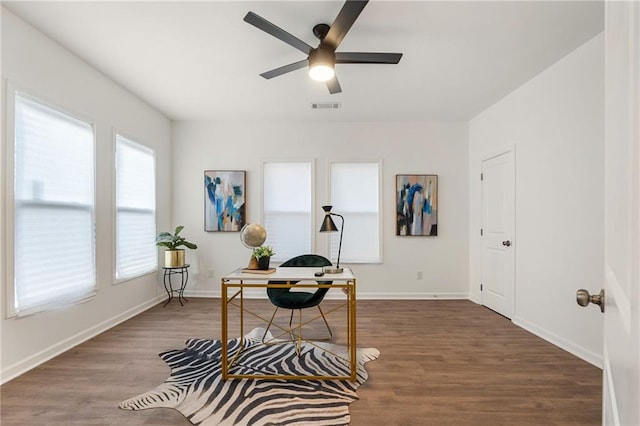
[441, 363]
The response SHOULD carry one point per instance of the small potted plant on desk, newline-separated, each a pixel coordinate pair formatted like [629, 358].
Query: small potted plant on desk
[262, 256]
[174, 256]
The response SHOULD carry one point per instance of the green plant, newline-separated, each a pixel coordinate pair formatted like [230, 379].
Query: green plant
[173, 241]
[263, 251]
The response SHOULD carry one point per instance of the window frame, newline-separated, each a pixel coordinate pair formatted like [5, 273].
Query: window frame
[114, 139]
[13, 89]
[330, 237]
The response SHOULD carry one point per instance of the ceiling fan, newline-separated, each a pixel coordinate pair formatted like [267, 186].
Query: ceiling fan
[321, 60]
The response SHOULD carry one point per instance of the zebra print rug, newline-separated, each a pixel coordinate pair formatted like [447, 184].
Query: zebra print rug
[195, 388]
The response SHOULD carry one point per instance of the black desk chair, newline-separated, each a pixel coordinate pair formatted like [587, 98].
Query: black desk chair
[299, 300]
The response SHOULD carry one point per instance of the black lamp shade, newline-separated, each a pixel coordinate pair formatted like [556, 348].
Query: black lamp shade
[328, 225]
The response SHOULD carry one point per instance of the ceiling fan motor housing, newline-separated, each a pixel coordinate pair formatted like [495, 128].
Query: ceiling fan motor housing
[322, 56]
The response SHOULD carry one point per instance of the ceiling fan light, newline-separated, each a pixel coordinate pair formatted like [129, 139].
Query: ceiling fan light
[321, 62]
[321, 72]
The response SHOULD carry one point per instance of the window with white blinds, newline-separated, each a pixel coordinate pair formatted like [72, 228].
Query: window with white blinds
[136, 252]
[54, 217]
[286, 207]
[355, 194]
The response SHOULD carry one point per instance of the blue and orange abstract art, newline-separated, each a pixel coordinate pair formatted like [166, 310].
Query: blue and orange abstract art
[417, 205]
[224, 200]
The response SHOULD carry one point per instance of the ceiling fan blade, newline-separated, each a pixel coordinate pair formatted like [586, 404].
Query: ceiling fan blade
[277, 32]
[285, 69]
[367, 58]
[343, 22]
[333, 85]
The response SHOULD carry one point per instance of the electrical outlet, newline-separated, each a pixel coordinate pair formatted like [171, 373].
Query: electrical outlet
[210, 273]
[419, 275]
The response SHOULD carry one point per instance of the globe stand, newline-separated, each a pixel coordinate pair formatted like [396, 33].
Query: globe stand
[253, 263]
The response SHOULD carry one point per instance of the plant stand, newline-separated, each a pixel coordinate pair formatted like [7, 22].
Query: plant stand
[168, 286]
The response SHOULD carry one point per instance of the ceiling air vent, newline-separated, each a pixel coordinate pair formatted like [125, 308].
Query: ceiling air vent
[325, 105]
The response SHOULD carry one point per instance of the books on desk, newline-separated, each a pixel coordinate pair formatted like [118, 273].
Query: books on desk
[259, 271]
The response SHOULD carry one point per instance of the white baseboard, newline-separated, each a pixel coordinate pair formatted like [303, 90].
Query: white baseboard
[21, 367]
[260, 294]
[580, 352]
[475, 298]
[202, 293]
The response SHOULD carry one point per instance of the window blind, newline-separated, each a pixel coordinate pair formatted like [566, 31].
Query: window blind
[355, 194]
[54, 228]
[136, 252]
[287, 189]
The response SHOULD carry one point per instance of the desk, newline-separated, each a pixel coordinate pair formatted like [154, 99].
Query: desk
[184, 277]
[304, 277]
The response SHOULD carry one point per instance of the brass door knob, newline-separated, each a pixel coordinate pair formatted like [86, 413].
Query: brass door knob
[583, 298]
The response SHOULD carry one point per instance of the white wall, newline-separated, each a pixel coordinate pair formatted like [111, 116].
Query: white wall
[423, 148]
[34, 63]
[556, 123]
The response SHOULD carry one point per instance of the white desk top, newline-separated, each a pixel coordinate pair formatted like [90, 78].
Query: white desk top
[290, 274]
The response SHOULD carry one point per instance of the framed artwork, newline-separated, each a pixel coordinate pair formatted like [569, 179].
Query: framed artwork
[417, 205]
[224, 200]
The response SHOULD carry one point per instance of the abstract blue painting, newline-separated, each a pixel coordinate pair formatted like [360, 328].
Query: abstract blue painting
[417, 205]
[224, 200]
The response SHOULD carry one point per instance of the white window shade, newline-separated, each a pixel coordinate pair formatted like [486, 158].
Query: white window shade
[136, 252]
[355, 194]
[287, 190]
[54, 180]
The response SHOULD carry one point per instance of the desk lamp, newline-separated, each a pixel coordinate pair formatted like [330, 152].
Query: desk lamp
[329, 226]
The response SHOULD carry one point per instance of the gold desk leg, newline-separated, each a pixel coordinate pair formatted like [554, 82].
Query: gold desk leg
[228, 364]
[224, 349]
[352, 330]
[347, 292]
[241, 313]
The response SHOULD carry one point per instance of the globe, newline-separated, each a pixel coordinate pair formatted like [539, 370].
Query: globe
[253, 235]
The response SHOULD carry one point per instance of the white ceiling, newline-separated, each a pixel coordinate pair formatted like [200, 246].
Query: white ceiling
[200, 60]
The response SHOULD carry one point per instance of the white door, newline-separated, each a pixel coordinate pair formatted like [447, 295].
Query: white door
[621, 395]
[498, 210]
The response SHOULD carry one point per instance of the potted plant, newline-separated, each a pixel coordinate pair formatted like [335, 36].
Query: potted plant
[174, 256]
[263, 255]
